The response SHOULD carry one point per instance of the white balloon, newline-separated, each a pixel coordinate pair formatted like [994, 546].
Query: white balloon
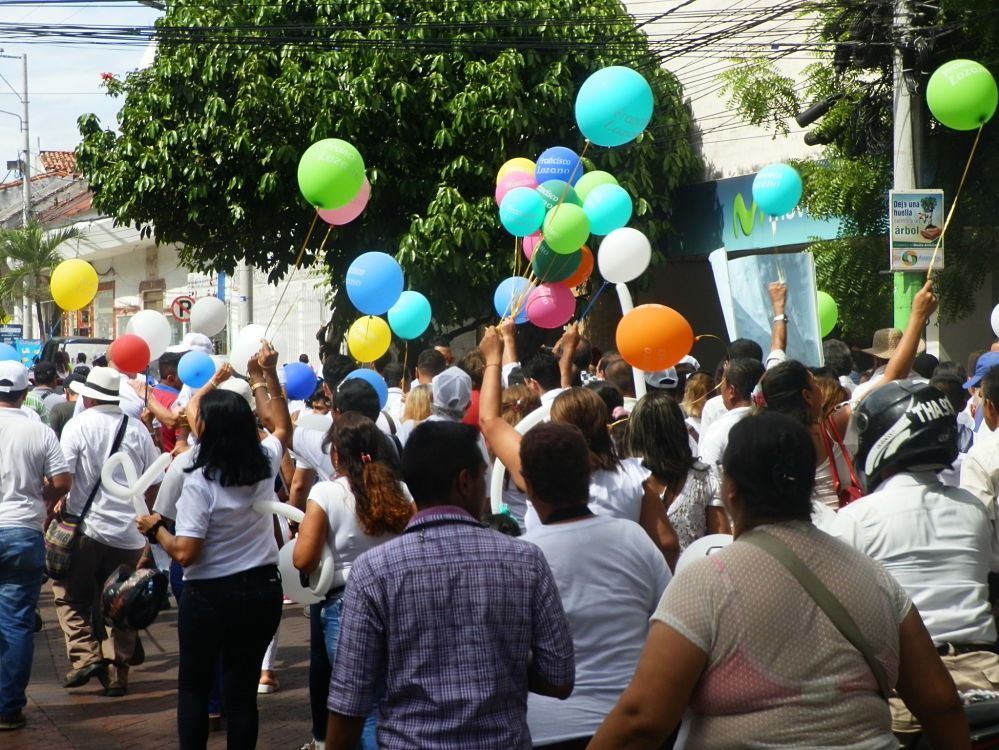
[706, 545]
[624, 255]
[320, 579]
[995, 320]
[248, 344]
[152, 327]
[135, 486]
[208, 316]
[290, 580]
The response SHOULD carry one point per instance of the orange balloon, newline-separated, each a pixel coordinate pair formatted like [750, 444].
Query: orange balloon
[654, 337]
[583, 272]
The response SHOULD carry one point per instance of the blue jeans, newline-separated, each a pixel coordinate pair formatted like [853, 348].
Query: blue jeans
[332, 614]
[22, 564]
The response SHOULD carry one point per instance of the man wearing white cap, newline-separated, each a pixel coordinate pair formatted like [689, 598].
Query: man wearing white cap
[29, 454]
[109, 536]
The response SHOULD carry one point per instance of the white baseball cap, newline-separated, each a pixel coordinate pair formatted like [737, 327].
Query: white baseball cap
[13, 377]
[663, 378]
[193, 342]
[452, 391]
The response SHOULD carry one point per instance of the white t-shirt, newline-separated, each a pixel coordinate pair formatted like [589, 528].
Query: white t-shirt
[131, 403]
[172, 485]
[396, 404]
[714, 439]
[346, 538]
[714, 408]
[29, 452]
[236, 537]
[610, 577]
[307, 445]
[86, 444]
[548, 396]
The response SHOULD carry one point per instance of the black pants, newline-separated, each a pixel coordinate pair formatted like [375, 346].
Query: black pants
[319, 672]
[233, 617]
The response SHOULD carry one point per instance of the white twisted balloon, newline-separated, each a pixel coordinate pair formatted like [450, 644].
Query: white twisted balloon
[135, 488]
[320, 580]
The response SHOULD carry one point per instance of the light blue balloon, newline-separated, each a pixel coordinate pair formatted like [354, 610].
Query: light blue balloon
[522, 211]
[511, 293]
[195, 369]
[613, 106]
[777, 189]
[373, 379]
[608, 207]
[9, 354]
[374, 282]
[410, 316]
[558, 163]
[299, 381]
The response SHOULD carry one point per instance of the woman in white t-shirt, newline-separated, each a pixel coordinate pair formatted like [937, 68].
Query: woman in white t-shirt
[231, 605]
[360, 509]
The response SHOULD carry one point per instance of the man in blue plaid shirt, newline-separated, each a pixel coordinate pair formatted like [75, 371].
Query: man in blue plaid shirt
[451, 624]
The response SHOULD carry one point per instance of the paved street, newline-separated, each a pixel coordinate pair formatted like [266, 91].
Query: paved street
[61, 719]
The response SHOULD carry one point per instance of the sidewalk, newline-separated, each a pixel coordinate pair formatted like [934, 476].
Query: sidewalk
[61, 719]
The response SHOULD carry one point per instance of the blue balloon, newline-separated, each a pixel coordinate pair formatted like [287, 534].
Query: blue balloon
[522, 211]
[510, 294]
[558, 163]
[299, 381]
[195, 369]
[608, 207]
[374, 282]
[613, 106]
[375, 380]
[9, 353]
[410, 316]
[777, 189]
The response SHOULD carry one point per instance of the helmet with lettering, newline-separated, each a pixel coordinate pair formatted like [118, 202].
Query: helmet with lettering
[904, 426]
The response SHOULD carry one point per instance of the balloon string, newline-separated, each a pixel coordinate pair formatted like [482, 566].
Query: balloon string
[710, 336]
[957, 195]
[405, 362]
[298, 262]
[322, 246]
[593, 300]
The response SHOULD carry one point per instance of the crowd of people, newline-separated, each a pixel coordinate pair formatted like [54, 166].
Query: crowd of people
[850, 512]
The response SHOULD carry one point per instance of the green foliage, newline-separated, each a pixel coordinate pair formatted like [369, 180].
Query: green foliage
[436, 95]
[763, 96]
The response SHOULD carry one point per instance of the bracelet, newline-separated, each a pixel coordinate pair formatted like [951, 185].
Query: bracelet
[492, 364]
[257, 385]
[151, 534]
[282, 398]
[782, 318]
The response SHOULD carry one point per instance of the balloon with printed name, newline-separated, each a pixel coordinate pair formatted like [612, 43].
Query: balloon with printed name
[550, 306]
[566, 228]
[592, 180]
[368, 338]
[553, 192]
[337, 217]
[962, 94]
[373, 379]
[777, 189]
[410, 316]
[374, 282]
[624, 255]
[522, 211]
[513, 180]
[330, 173]
[73, 284]
[517, 164]
[195, 369]
[614, 106]
[549, 266]
[558, 163]
[510, 295]
[828, 313]
[608, 207]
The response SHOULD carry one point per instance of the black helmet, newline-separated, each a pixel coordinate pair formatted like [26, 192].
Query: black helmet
[904, 425]
[132, 598]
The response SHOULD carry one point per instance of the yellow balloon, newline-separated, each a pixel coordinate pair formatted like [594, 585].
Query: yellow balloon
[368, 338]
[73, 284]
[520, 164]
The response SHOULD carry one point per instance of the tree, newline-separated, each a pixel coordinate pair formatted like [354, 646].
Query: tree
[30, 253]
[853, 175]
[436, 94]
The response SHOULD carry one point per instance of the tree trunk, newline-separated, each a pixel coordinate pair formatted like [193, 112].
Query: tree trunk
[42, 330]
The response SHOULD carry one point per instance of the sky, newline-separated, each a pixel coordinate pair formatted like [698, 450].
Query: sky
[63, 79]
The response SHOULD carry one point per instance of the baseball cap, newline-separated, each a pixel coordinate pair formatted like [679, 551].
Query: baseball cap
[985, 363]
[13, 377]
[663, 378]
[452, 391]
[193, 342]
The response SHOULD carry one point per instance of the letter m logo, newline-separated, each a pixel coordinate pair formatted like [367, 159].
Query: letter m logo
[742, 218]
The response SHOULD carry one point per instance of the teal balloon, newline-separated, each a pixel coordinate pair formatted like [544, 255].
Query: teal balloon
[962, 94]
[552, 193]
[608, 207]
[9, 354]
[591, 180]
[566, 228]
[777, 189]
[522, 211]
[410, 316]
[614, 106]
[550, 266]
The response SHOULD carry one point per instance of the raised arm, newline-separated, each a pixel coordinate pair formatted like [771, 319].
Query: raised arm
[566, 347]
[194, 405]
[778, 303]
[272, 407]
[503, 440]
[923, 306]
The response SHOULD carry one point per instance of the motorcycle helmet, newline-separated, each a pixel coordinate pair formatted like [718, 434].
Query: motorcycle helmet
[905, 426]
[132, 598]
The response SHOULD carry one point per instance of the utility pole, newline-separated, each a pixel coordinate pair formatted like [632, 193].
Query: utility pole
[26, 155]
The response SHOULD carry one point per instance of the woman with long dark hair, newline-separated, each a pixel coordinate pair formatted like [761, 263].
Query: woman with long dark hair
[231, 605]
[363, 507]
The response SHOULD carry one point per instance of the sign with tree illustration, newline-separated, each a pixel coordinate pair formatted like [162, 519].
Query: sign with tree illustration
[916, 218]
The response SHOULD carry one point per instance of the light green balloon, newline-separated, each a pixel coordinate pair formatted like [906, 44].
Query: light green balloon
[591, 180]
[962, 94]
[566, 228]
[330, 173]
[828, 314]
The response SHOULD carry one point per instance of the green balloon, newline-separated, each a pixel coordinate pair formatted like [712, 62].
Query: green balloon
[566, 228]
[550, 266]
[962, 94]
[591, 180]
[330, 173]
[553, 192]
[828, 314]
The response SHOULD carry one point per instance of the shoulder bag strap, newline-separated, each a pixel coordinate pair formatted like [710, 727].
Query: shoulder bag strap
[391, 423]
[847, 458]
[833, 468]
[114, 449]
[825, 600]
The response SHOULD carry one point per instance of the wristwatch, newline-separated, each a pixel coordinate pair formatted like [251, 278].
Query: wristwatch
[151, 534]
[782, 318]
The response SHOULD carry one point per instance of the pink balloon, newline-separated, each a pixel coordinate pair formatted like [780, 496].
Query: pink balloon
[513, 180]
[550, 306]
[346, 214]
[531, 243]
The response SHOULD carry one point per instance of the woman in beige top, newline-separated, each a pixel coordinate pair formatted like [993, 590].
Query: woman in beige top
[738, 641]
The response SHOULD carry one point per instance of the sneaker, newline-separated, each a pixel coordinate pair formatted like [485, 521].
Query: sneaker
[80, 677]
[313, 745]
[10, 722]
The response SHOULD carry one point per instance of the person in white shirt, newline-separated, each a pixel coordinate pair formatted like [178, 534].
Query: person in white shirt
[980, 468]
[231, 604]
[610, 578]
[33, 475]
[108, 535]
[740, 378]
[935, 540]
[362, 508]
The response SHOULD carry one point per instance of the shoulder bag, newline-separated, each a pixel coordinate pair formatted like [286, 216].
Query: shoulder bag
[853, 490]
[62, 534]
[825, 600]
